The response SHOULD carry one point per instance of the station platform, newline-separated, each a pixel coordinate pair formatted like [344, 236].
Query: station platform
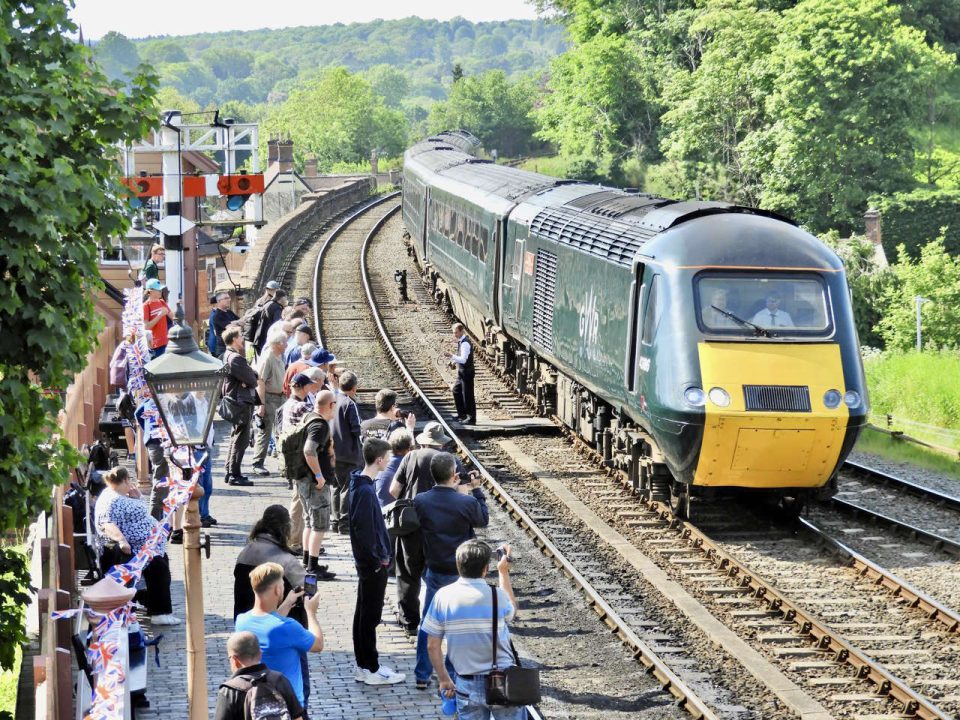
[335, 695]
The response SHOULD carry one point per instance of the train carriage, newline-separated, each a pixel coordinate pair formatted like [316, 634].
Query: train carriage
[700, 346]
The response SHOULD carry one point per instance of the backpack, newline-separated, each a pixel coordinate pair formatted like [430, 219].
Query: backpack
[292, 438]
[262, 700]
[250, 322]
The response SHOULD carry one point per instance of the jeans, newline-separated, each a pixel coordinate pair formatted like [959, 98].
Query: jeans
[371, 588]
[410, 564]
[434, 582]
[156, 596]
[239, 441]
[305, 673]
[472, 702]
[157, 352]
[206, 482]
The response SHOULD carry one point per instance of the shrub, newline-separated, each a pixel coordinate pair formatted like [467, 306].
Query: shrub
[913, 219]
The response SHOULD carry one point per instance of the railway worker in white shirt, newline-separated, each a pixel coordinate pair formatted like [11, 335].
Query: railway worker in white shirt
[463, 388]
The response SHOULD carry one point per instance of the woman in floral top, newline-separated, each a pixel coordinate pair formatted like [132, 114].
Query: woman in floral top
[121, 516]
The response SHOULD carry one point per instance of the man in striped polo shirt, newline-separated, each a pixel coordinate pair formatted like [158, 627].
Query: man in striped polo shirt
[463, 614]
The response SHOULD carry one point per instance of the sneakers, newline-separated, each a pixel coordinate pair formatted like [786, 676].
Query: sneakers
[176, 538]
[384, 676]
[260, 469]
[241, 481]
[208, 522]
[164, 620]
[423, 684]
[360, 674]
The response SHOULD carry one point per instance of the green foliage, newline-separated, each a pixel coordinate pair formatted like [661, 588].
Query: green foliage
[337, 117]
[116, 55]
[424, 51]
[916, 386]
[62, 119]
[600, 100]
[492, 108]
[867, 282]
[14, 580]
[848, 73]
[390, 83]
[935, 276]
[913, 219]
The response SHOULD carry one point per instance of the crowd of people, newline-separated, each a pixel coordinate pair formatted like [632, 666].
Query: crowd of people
[292, 399]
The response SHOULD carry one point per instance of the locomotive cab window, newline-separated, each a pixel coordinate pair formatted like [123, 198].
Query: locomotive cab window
[765, 305]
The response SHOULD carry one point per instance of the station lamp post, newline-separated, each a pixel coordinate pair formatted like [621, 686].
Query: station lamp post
[185, 384]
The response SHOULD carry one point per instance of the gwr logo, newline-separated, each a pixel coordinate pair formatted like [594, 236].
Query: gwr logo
[589, 324]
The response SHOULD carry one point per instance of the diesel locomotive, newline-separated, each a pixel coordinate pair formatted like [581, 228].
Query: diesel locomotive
[699, 346]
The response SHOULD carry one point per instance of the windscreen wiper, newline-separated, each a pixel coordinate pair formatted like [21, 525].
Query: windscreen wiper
[757, 330]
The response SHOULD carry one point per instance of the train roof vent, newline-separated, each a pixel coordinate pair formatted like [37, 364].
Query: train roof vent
[544, 298]
[585, 202]
[443, 158]
[673, 214]
[613, 240]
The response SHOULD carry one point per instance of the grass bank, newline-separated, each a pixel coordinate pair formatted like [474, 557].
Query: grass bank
[877, 443]
[8, 687]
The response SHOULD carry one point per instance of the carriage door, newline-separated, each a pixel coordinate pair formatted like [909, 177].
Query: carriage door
[513, 273]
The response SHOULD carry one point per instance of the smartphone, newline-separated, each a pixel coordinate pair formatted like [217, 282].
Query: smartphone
[309, 585]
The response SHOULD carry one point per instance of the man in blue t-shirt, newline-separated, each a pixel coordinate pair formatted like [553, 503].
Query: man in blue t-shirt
[282, 639]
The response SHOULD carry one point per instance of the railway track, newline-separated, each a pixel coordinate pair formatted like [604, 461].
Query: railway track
[827, 655]
[345, 324]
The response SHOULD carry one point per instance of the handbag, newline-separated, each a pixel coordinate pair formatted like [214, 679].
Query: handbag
[230, 410]
[401, 517]
[516, 685]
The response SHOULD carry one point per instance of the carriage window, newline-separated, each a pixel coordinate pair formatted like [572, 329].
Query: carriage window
[782, 305]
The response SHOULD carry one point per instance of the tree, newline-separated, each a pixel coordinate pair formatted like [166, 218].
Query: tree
[389, 83]
[492, 108]
[848, 76]
[62, 120]
[117, 55]
[337, 117]
[164, 51]
[457, 73]
[936, 277]
[228, 62]
[868, 283]
[600, 100]
[716, 106]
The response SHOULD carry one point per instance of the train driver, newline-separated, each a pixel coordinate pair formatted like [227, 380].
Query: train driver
[772, 316]
[713, 313]
[463, 387]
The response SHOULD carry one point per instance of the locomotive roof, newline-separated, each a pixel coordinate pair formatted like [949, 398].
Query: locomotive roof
[596, 219]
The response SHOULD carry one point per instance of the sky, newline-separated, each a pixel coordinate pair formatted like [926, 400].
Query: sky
[186, 17]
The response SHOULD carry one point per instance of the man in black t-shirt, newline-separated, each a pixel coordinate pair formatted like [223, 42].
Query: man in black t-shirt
[243, 650]
[314, 488]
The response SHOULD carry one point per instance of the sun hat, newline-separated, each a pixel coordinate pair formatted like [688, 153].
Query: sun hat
[432, 435]
[321, 356]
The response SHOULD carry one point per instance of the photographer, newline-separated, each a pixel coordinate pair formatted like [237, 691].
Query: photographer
[454, 615]
[448, 514]
[388, 418]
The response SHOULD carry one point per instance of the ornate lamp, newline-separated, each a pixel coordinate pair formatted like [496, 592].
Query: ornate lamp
[136, 246]
[185, 383]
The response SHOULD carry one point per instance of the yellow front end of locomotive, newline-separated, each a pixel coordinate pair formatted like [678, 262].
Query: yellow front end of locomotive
[770, 449]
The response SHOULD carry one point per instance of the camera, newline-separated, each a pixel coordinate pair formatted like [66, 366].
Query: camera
[258, 421]
[500, 552]
[403, 414]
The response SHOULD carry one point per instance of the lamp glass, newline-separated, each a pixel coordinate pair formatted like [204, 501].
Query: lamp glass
[235, 202]
[186, 405]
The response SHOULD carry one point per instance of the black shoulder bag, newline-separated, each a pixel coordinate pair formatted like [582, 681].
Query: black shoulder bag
[516, 685]
[401, 518]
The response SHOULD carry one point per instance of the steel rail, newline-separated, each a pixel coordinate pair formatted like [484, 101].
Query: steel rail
[934, 496]
[938, 542]
[654, 665]
[364, 207]
[898, 587]
[825, 638]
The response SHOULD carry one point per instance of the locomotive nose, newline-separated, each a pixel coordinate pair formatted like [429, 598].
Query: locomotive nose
[770, 420]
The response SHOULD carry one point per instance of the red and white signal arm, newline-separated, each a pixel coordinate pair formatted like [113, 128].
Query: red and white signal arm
[151, 186]
[240, 184]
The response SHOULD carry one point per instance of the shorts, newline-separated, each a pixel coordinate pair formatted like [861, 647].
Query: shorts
[316, 504]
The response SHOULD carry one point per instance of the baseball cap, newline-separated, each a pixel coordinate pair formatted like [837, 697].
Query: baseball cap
[273, 285]
[303, 301]
[321, 356]
[154, 284]
[301, 380]
[304, 328]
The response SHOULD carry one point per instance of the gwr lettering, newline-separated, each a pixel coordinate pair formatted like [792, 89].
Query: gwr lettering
[467, 233]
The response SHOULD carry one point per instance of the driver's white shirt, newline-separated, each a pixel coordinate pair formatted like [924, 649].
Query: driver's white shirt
[767, 319]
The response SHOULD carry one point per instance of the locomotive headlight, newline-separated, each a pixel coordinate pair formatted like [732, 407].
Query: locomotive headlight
[832, 398]
[851, 398]
[719, 397]
[695, 396]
